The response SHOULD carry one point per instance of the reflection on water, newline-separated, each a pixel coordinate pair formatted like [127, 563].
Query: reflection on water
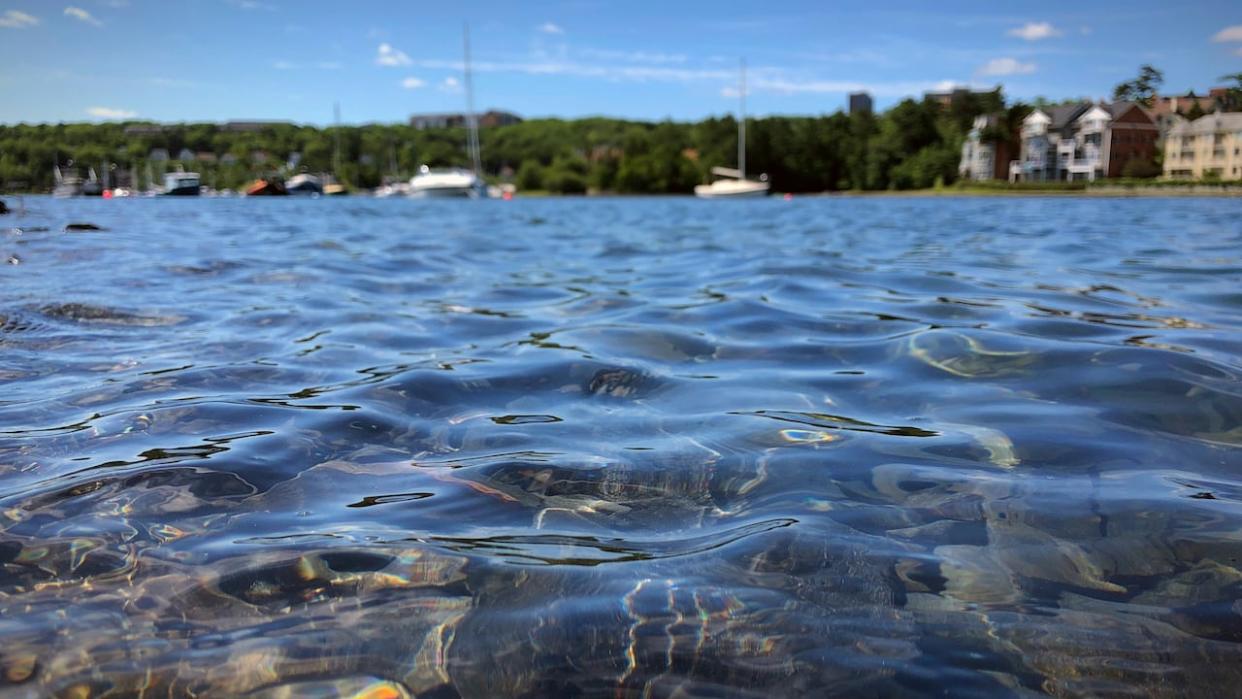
[621, 448]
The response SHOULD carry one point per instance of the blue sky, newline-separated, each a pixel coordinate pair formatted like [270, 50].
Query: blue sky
[213, 60]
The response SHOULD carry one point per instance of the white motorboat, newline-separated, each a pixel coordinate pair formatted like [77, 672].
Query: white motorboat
[304, 184]
[735, 184]
[182, 184]
[446, 183]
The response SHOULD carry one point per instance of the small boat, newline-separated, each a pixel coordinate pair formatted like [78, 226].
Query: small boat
[456, 182]
[72, 184]
[304, 185]
[334, 190]
[66, 185]
[92, 187]
[182, 184]
[266, 187]
[735, 184]
[446, 183]
[392, 189]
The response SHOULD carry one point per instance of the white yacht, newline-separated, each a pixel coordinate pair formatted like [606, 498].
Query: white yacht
[734, 183]
[456, 182]
[452, 182]
[304, 184]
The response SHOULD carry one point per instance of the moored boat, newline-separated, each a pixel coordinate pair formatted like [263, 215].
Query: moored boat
[735, 185]
[447, 183]
[182, 184]
[266, 187]
[456, 182]
[73, 185]
[304, 185]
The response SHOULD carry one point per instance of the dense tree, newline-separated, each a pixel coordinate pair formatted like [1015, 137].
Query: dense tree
[1142, 89]
[1233, 93]
[914, 144]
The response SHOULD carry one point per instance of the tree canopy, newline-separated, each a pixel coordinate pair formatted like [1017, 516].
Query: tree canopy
[1142, 89]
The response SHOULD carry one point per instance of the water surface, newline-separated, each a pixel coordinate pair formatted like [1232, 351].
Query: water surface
[627, 447]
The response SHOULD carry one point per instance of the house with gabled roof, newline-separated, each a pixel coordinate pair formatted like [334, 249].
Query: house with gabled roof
[1208, 147]
[987, 149]
[1085, 141]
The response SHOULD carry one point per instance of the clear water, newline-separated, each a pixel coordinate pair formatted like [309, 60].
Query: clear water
[627, 447]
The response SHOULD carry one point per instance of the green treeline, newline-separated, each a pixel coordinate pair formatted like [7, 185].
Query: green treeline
[915, 144]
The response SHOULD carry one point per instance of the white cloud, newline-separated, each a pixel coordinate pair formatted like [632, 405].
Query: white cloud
[82, 16]
[589, 70]
[172, 82]
[1034, 31]
[1233, 33]
[730, 92]
[250, 4]
[388, 56]
[110, 113]
[14, 19]
[1006, 66]
[413, 83]
[549, 28]
[766, 79]
[654, 57]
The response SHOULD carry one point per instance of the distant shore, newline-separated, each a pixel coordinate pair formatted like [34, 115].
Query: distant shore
[1104, 191]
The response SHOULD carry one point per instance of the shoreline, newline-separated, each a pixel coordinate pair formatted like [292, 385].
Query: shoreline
[1102, 192]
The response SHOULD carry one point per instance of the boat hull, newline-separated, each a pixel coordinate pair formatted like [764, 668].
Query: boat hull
[447, 192]
[183, 192]
[727, 189]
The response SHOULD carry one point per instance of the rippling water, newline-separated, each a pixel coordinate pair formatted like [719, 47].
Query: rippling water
[621, 447]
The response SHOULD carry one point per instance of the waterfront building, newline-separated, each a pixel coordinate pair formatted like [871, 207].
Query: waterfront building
[986, 153]
[1085, 141]
[1208, 147]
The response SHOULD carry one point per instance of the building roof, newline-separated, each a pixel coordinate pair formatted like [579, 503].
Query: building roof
[1116, 109]
[1063, 115]
[1209, 123]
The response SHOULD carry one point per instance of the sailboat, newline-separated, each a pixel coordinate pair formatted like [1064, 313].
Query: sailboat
[456, 182]
[734, 183]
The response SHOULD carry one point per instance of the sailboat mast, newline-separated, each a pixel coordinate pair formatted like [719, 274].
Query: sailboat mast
[336, 141]
[741, 123]
[472, 123]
